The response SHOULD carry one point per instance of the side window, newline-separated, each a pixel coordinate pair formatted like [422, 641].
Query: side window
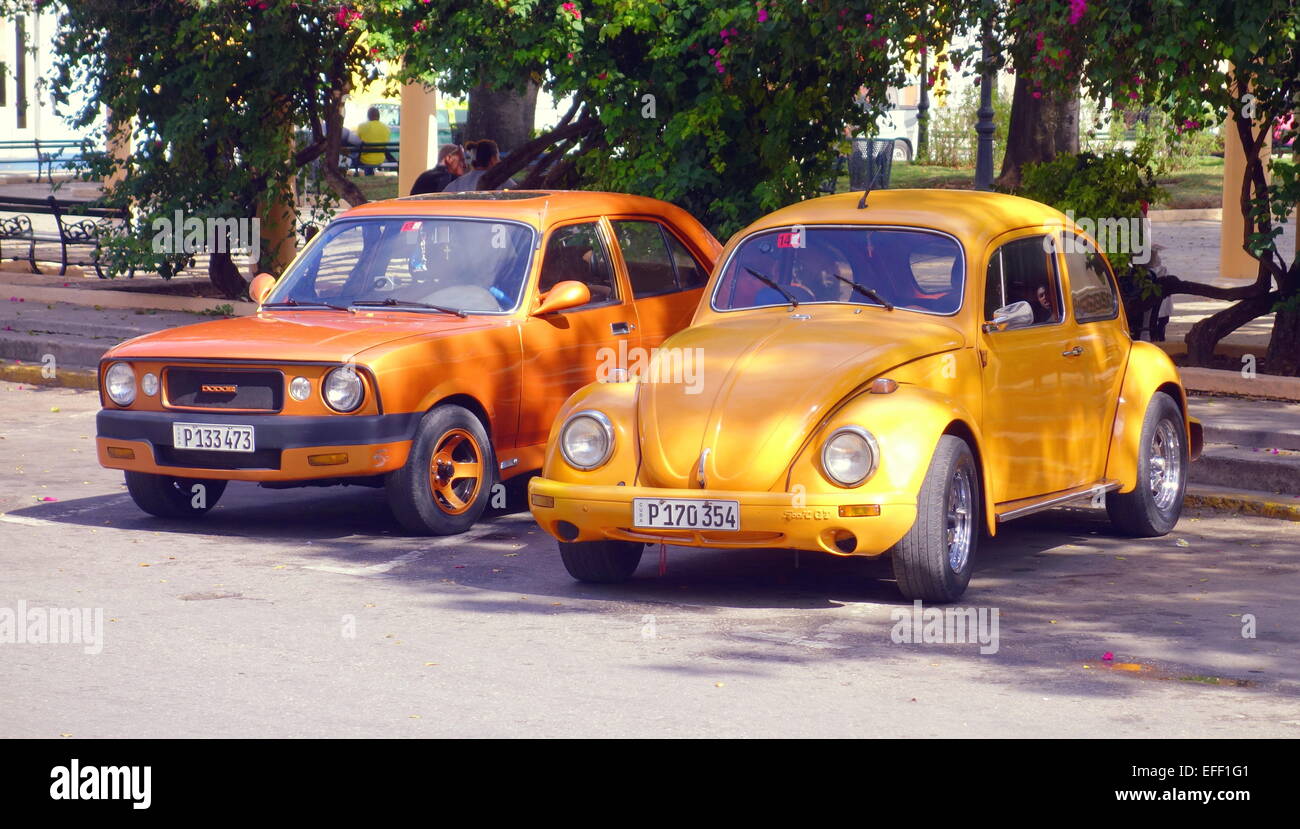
[690, 274]
[994, 289]
[649, 266]
[1029, 275]
[576, 252]
[1091, 290]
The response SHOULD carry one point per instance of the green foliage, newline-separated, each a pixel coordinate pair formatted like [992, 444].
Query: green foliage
[728, 108]
[226, 101]
[1111, 185]
[952, 129]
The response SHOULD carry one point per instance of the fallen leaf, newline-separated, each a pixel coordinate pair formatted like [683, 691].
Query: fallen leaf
[1182, 542]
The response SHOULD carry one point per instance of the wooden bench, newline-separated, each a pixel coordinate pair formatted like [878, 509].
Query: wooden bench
[44, 154]
[78, 224]
[353, 153]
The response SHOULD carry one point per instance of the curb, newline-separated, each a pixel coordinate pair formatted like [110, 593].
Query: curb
[68, 378]
[1187, 214]
[1261, 504]
[128, 300]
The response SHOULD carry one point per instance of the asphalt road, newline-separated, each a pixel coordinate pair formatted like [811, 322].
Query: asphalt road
[308, 613]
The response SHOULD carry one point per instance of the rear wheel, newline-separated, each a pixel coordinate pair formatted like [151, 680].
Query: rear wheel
[1153, 507]
[933, 561]
[603, 562]
[168, 497]
[447, 480]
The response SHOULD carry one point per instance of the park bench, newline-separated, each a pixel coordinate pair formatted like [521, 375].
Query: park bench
[46, 155]
[78, 225]
[352, 155]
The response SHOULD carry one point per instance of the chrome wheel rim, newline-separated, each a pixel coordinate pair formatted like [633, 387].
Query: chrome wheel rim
[1165, 465]
[959, 524]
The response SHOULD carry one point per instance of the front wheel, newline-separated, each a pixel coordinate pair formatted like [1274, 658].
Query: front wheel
[447, 480]
[602, 562]
[168, 497]
[933, 561]
[1153, 507]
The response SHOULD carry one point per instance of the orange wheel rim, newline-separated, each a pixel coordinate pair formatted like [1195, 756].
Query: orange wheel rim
[456, 471]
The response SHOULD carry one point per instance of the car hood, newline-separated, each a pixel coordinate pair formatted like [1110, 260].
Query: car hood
[296, 336]
[763, 382]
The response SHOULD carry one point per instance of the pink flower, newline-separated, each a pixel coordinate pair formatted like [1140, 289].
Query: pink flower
[1107, 656]
[868, 18]
[713, 51]
[1036, 94]
[1038, 42]
[762, 15]
[1133, 95]
[1077, 8]
[418, 27]
[573, 10]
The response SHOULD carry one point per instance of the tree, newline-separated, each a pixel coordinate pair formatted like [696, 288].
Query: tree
[728, 108]
[229, 100]
[1207, 62]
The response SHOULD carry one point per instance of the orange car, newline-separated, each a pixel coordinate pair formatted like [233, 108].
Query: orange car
[422, 344]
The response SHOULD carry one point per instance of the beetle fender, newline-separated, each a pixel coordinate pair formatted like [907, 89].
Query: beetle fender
[907, 425]
[1149, 370]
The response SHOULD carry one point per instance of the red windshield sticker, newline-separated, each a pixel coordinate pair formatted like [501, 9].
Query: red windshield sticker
[789, 240]
[408, 226]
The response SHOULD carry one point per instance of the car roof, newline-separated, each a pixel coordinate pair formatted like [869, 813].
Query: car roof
[534, 207]
[973, 216]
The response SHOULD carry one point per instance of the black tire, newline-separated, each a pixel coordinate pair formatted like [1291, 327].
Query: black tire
[602, 562]
[168, 497]
[1153, 507]
[427, 495]
[922, 562]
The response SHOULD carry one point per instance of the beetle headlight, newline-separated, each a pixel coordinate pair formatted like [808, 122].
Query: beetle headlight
[119, 382]
[849, 456]
[343, 390]
[587, 439]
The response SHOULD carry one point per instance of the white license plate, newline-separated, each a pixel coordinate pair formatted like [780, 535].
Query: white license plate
[685, 514]
[213, 437]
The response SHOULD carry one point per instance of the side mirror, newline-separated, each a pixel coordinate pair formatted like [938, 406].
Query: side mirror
[565, 295]
[1015, 315]
[261, 287]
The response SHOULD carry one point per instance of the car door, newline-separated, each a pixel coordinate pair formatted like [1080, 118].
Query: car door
[563, 351]
[1032, 417]
[1097, 348]
[665, 276]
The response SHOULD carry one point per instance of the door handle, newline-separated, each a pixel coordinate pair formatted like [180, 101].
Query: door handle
[1073, 352]
[621, 327]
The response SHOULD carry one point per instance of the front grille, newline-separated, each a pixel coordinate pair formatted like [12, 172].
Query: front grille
[198, 459]
[258, 391]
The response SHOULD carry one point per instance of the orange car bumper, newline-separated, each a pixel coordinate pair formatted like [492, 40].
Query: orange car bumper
[287, 448]
[572, 512]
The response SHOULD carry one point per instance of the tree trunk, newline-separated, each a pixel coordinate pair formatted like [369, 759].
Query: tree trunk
[1205, 334]
[1039, 129]
[223, 273]
[503, 115]
[1283, 355]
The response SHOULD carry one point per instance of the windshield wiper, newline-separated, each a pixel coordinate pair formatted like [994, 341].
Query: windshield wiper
[794, 303]
[394, 303]
[312, 303]
[865, 291]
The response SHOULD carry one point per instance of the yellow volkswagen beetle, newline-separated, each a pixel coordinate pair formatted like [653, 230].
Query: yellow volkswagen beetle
[878, 375]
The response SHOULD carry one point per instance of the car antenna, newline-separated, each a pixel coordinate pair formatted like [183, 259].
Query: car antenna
[862, 202]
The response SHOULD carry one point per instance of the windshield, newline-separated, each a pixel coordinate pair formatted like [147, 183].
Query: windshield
[914, 270]
[470, 265]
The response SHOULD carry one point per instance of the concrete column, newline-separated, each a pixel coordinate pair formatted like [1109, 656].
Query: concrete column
[418, 142]
[1234, 262]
